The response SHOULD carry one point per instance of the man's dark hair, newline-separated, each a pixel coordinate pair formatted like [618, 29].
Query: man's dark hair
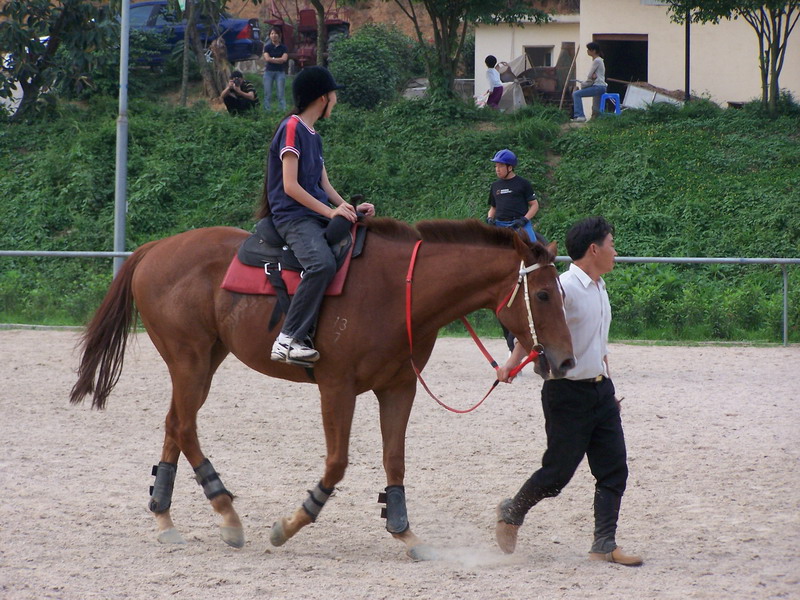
[490, 61]
[592, 230]
[236, 74]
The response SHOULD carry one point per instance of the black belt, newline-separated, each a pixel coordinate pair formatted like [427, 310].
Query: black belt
[597, 379]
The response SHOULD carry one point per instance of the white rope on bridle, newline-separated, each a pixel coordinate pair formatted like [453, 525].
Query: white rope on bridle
[523, 280]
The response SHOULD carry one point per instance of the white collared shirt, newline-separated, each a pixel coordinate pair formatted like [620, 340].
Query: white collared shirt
[588, 313]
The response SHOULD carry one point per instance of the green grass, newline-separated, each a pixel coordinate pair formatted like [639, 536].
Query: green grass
[694, 182]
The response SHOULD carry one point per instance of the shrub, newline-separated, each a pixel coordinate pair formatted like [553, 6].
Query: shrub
[373, 65]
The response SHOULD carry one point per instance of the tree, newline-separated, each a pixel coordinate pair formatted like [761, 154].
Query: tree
[450, 20]
[773, 23]
[32, 34]
[322, 34]
[208, 13]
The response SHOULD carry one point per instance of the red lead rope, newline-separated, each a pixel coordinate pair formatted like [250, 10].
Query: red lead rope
[409, 279]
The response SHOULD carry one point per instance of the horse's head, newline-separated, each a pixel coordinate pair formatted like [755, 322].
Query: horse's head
[537, 297]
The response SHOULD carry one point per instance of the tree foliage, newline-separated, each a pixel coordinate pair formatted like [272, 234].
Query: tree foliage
[450, 20]
[32, 34]
[207, 13]
[372, 65]
[773, 23]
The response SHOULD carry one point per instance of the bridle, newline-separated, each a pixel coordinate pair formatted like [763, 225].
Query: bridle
[536, 350]
[522, 280]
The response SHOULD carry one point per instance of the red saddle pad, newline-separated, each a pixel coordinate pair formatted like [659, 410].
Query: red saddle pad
[245, 279]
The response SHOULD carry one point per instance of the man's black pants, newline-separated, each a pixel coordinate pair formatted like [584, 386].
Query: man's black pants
[581, 418]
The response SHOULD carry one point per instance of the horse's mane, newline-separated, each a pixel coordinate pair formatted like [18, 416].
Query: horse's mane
[392, 229]
[470, 232]
[475, 233]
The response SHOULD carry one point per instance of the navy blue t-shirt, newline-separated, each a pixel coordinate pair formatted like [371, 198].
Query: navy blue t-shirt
[274, 51]
[295, 136]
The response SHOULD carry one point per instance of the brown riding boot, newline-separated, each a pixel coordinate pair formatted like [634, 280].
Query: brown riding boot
[617, 556]
[505, 533]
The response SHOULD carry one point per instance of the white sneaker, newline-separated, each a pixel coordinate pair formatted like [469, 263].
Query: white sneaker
[293, 351]
[579, 120]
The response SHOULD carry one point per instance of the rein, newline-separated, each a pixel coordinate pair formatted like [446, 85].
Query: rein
[533, 355]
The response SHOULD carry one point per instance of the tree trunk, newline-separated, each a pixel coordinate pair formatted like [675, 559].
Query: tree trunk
[186, 45]
[210, 88]
[774, 90]
[322, 33]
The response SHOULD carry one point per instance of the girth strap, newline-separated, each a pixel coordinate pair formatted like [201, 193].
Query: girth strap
[273, 272]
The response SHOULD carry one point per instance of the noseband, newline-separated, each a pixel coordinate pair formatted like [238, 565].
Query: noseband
[522, 281]
[536, 350]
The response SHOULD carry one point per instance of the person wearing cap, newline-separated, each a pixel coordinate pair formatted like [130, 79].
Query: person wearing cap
[512, 201]
[581, 411]
[301, 200]
[239, 95]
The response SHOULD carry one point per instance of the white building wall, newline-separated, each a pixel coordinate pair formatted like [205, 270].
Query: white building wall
[724, 58]
[507, 42]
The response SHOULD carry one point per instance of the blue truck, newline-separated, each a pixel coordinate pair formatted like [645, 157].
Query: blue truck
[242, 36]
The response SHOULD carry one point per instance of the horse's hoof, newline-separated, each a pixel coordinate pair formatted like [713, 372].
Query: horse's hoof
[422, 552]
[277, 536]
[233, 536]
[170, 536]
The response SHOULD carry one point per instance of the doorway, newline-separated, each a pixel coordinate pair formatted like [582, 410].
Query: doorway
[625, 56]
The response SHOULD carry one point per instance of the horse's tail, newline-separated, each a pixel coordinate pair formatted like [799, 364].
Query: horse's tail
[103, 342]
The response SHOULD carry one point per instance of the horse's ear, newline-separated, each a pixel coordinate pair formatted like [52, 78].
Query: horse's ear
[522, 248]
[552, 247]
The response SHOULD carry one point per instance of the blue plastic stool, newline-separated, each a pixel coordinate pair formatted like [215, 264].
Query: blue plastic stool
[615, 98]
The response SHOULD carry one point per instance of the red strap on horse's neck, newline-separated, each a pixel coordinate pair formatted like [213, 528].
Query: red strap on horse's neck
[409, 280]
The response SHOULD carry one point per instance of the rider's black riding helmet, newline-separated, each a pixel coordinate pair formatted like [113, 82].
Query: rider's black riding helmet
[310, 84]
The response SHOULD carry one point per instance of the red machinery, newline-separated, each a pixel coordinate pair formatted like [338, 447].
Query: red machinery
[299, 27]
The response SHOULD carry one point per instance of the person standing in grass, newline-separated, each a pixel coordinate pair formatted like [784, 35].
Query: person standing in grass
[276, 56]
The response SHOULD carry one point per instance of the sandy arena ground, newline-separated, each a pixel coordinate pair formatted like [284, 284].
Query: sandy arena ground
[713, 501]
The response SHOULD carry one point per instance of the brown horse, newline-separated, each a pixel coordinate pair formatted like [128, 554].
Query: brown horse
[361, 335]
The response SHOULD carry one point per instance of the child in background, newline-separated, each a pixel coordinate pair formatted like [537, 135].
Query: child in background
[495, 85]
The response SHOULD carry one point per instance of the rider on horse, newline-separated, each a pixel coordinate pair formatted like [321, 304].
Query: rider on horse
[302, 202]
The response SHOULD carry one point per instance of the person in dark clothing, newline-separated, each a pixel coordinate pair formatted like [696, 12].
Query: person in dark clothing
[277, 58]
[512, 203]
[239, 95]
[302, 203]
[582, 415]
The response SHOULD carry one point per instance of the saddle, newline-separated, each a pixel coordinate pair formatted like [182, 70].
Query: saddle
[264, 264]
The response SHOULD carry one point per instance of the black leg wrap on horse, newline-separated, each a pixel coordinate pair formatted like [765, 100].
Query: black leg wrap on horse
[316, 500]
[207, 477]
[395, 512]
[161, 490]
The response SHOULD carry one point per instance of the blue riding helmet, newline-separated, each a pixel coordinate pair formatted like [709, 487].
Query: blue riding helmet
[506, 157]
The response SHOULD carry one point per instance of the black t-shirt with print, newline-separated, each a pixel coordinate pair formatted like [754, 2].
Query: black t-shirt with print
[510, 197]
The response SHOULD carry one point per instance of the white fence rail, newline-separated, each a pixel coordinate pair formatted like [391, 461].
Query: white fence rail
[782, 262]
